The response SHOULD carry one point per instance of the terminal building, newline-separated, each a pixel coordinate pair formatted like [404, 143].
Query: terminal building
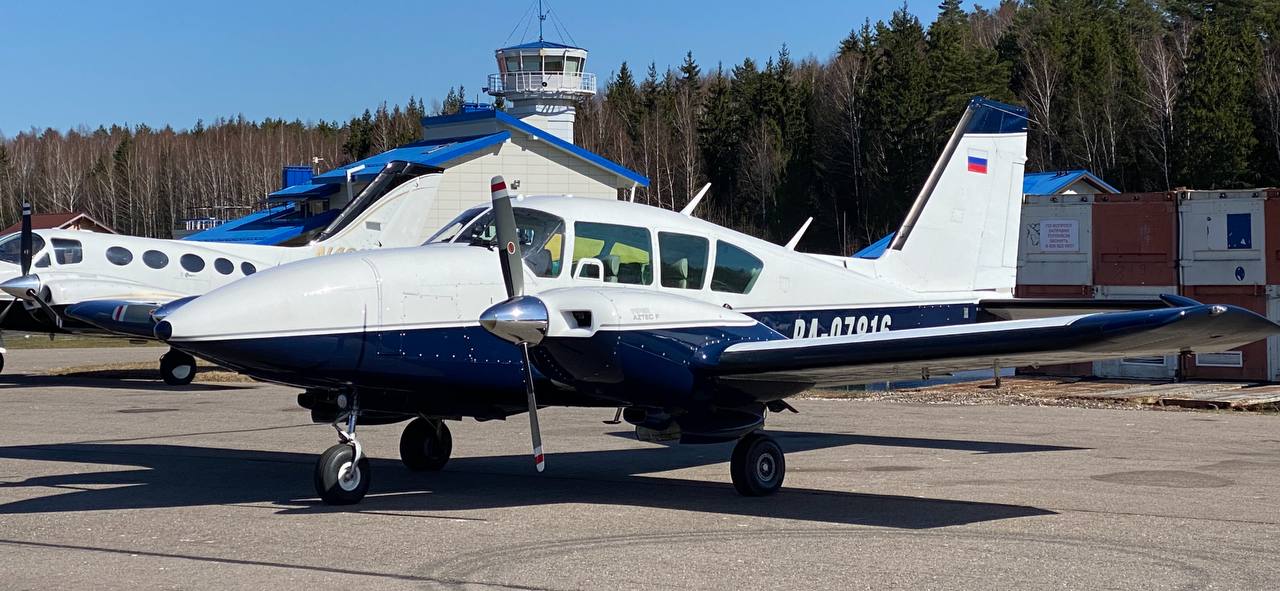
[530, 142]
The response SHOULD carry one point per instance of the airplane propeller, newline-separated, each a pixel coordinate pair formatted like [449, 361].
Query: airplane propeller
[27, 286]
[520, 319]
[24, 245]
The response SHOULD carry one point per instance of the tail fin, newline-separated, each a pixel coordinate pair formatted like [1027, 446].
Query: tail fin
[962, 232]
[390, 212]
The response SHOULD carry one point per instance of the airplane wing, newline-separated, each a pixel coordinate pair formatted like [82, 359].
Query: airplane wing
[925, 352]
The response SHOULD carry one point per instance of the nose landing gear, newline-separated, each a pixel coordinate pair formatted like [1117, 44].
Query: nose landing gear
[342, 473]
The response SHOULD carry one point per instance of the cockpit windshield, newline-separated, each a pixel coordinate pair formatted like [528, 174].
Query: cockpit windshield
[453, 229]
[11, 247]
[541, 238]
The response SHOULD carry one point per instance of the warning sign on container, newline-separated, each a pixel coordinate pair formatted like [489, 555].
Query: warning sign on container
[1059, 235]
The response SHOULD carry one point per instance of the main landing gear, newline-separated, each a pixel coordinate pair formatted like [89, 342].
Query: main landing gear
[757, 465]
[342, 473]
[177, 368]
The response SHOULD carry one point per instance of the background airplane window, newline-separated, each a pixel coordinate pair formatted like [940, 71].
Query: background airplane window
[119, 255]
[450, 230]
[11, 247]
[684, 260]
[224, 266]
[192, 263]
[736, 269]
[247, 268]
[541, 238]
[626, 251]
[155, 259]
[43, 262]
[67, 252]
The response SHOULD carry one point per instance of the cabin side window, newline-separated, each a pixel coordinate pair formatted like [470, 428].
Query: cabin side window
[736, 269]
[67, 252]
[247, 268]
[119, 255]
[192, 263]
[684, 260]
[541, 238]
[43, 262]
[155, 259]
[223, 266]
[625, 251]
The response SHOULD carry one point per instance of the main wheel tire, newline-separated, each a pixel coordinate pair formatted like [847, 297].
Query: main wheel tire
[425, 445]
[177, 368]
[337, 481]
[757, 465]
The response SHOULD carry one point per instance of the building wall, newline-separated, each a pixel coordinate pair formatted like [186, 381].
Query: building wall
[536, 166]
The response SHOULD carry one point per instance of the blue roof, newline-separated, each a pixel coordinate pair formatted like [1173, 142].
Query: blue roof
[875, 249]
[428, 152]
[305, 190]
[1053, 182]
[269, 227]
[541, 45]
[542, 135]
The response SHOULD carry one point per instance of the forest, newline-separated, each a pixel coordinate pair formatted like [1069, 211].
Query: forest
[1150, 96]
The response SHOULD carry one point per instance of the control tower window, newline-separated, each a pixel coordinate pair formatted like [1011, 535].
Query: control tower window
[554, 64]
[530, 63]
[572, 65]
[513, 63]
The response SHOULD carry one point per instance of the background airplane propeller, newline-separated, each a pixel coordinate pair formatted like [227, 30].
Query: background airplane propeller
[520, 319]
[24, 253]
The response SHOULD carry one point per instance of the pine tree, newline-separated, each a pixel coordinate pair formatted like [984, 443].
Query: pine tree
[1215, 126]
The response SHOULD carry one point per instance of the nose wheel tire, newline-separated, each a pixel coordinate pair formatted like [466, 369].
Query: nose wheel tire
[425, 445]
[757, 465]
[338, 480]
[177, 368]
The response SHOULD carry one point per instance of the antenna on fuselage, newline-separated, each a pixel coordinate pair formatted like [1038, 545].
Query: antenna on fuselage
[693, 203]
[791, 244]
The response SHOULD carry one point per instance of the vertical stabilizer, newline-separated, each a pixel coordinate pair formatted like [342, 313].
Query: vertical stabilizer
[391, 212]
[962, 231]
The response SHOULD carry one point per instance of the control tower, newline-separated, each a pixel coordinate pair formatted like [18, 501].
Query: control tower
[540, 81]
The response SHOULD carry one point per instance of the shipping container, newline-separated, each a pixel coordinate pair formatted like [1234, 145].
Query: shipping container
[1056, 292]
[1223, 237]
[1249, 362]
[1145, 368]
[1055, 245]
[1135, 239]
[1271, 215]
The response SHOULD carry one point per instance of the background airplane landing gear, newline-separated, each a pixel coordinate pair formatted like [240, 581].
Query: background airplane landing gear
[338, 480]
[757, 465]
[425, 445]
[177, 368]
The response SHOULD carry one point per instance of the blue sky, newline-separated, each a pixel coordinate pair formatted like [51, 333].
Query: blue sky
[134, 61]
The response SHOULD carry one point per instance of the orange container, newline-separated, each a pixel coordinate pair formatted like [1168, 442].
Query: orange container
[1135, 240]
[1245, 363]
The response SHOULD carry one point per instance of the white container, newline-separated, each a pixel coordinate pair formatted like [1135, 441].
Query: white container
[1142, 368]
[1055, 245]
[1223, 235]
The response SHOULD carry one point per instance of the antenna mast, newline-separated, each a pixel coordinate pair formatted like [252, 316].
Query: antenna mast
[542, 16]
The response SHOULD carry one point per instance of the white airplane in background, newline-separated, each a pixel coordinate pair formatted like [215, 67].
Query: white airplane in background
[693, 330]
[87, 282]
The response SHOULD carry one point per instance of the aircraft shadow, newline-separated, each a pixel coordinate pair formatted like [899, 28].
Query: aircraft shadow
[8, 381]
[179, 476]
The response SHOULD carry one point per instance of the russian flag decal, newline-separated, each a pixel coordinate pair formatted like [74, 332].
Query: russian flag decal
[977, 162]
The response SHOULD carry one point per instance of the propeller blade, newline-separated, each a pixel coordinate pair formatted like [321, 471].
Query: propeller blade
[26, 238]
[508, 237]
[5, 314]
[539, 460]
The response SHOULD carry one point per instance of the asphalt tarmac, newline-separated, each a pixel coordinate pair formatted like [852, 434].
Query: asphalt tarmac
[110, 484]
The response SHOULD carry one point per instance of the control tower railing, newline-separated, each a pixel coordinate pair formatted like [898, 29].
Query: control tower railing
[514, 82]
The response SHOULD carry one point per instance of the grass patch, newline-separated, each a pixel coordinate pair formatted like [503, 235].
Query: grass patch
[205, 372]
[14, 340]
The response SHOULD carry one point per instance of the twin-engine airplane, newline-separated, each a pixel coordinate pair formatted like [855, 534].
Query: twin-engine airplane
[109, 284]
[693, 330]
